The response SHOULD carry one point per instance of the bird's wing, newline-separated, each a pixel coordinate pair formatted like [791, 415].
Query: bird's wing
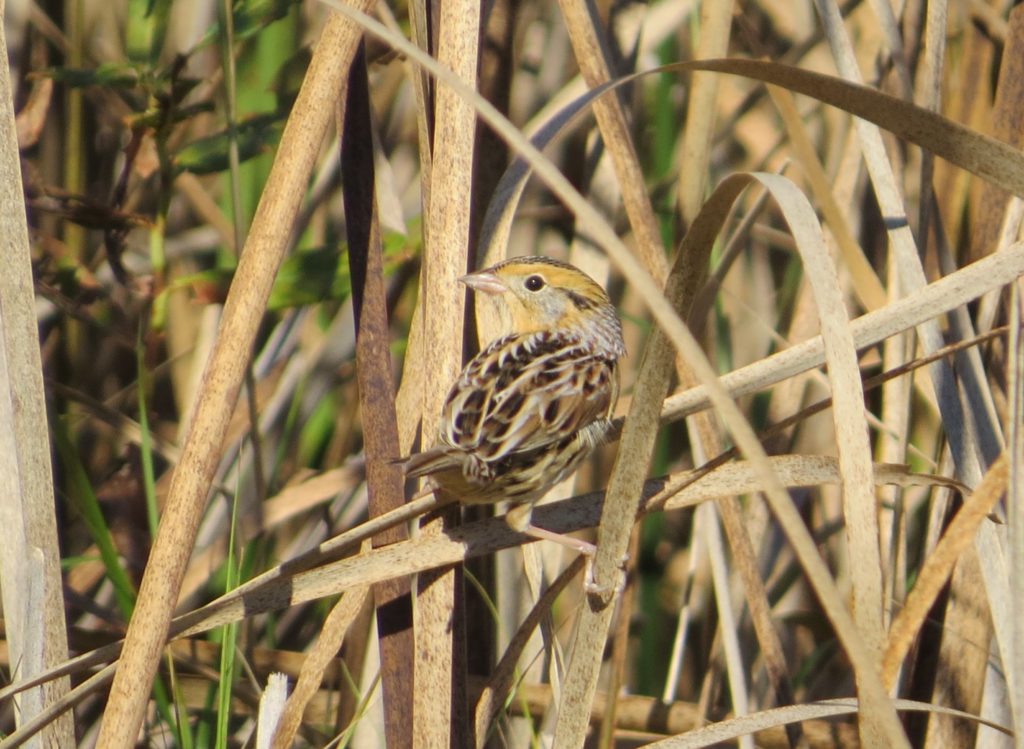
[526, 391]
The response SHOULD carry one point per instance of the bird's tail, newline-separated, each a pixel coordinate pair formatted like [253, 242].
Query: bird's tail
[427, 463]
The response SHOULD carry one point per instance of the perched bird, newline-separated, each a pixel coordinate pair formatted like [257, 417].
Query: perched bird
[534, 403]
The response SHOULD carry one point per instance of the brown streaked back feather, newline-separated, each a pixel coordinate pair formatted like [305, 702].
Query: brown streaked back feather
[523, 392]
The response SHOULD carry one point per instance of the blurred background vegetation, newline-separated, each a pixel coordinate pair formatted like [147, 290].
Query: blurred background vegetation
[147, 129]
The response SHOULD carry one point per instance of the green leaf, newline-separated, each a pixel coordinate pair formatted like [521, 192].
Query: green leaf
[250, 18]
[209, 155]
[84, 500]
[311, 276]
[146, 29]
[112, 74]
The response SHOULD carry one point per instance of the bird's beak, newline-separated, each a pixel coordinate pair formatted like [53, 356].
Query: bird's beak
[484, 281]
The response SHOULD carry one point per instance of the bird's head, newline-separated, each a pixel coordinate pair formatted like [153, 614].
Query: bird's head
[533, 294]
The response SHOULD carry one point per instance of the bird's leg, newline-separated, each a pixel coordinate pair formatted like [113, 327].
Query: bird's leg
[428, 488]
[518, 519]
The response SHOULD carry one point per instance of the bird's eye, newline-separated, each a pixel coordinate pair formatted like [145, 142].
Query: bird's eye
[534, 283]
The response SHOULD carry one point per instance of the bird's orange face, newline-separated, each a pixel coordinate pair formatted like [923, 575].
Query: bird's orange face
[533, 294]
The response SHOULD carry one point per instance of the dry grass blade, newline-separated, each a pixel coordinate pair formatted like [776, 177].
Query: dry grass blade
[645, 715]
[677, 491]
[260, 260]
[385, 486]
[937, 298]
[282, 587]
[981, 155]
[317, 660]
[623, 496]
[848, 408]
[33, 602]
[967, 446]
[881, 719]
[59, 708]
[939, 565]
[635, 452]
[906, 258]
[1009, 101]
[740, 726]
[728, 631]
[1015, 501]
[295, 500]
[865, 280]
[986, 157]
[590, 49]
[501, 210]
[495, 692]
[271, 704]
[713, 41]
[439, 706]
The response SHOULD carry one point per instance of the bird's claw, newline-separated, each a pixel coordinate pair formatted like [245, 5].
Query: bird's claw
[604, 592]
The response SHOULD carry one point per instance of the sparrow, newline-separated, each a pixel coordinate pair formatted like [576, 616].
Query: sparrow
[532, 405]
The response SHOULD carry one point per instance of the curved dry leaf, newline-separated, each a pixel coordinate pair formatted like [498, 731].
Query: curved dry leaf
[979, 154]
[325, 648]
[735, 727]
[31, 117]
[937, 298]
[938, 567]
[689, 488]
[274, 589]
[299, 498]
